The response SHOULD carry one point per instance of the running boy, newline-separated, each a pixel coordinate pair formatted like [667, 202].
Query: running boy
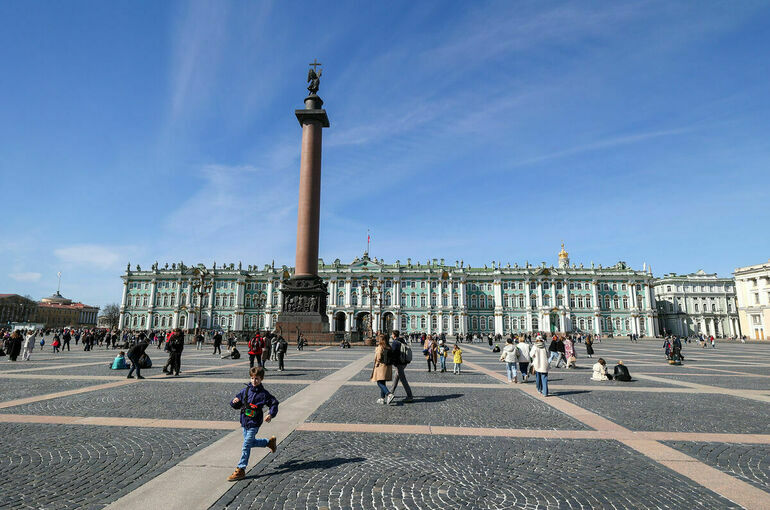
[250, 401]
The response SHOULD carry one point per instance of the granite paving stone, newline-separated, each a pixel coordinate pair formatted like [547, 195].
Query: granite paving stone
[153, 399]
[378, 471]
[736, 382]
[505, 407]
[679, 412]
[74, 467]
[749, 462]
[13, 389]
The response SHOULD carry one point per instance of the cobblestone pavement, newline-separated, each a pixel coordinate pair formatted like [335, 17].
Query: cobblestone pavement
[461, 407]
[748, 462]
[351, 471]
[66, 466]
[448, 449]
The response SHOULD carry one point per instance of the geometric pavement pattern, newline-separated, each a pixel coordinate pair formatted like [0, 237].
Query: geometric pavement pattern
[78, 435]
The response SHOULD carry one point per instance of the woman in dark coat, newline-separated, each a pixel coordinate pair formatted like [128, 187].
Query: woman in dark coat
[589, 346]
[14, 345]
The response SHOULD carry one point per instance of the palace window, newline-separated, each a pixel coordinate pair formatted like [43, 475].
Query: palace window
[433, 323]
[533, 301]
[491, 323]
[623, 287]
[413, 301]
[413, 322]
[473, 301]
[625, 302]
[165, 299]
[423, 301]
[588, 301]
[445, 323]
[547, 300]
[628, 325]
[231, 301]
[422, 321]
[482, 301]
[572, 302]
[432, 300]
[474, 323]
[615, 302]
[571, 286]
[219, 301]
[456, 322]
[546, 285]
[559, 300]
[144, 301]
[173, 299]
[533, 286]
[535, 324]
[505, 301]
[354, 299]
[522, 302]
[696, 307]
[558, 286]
[614, 286]
[514, 324]
[422, 286]
[455, 300]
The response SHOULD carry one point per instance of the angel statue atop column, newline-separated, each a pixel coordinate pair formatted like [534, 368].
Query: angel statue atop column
[313, 78]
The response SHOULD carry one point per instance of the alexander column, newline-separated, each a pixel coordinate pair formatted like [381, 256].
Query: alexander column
[304, 294]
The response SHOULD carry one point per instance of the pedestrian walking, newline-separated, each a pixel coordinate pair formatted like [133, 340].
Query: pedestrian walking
[522, 356]
[281, 347]
[217, 344]
[29, 344]
[508, 356]
[250, 401]
[403, 356]
[382, 370]
[539, 357]
[430, 350]
[255, 350]
[199, 338]
[589, 347]
[176, 346]
[14, 345]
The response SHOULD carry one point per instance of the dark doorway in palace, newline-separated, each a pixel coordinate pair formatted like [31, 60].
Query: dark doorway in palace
[387, 323]
[339, 321]
[362, 322]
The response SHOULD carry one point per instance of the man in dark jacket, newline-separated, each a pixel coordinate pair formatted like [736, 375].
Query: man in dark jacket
[176, 346]
[217, 344]
[395, 347]
[621, 372]
[134, 353]
[65, 340]
[281, 346]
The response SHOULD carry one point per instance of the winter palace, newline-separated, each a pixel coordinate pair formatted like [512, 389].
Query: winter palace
[414, 297]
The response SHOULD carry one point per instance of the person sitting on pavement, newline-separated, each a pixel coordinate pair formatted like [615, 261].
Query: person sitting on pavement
[232, 353]
[621, 372]
[600, 371]
[119, 363]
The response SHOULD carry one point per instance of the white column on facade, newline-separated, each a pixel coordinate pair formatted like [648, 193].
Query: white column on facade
[553, 293]
[397, 299]
[632, 291]
[566, 294]
[349, 322]
[125, 293]
[347, 292]
[539, 295]
[463, 303]
[451, 299]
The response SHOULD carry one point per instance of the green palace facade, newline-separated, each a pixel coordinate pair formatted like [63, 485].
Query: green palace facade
[414, 297]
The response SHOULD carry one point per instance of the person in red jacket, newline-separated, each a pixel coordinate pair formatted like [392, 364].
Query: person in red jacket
[256, 346]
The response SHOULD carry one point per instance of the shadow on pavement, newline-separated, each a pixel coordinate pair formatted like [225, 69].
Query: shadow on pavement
[298, 465]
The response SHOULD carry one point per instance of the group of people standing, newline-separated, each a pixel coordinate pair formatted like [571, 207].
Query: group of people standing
[436, 350]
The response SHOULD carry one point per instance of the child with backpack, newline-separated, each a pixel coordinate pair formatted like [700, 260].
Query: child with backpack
[250, 401]
[443, 352]
[457, 354]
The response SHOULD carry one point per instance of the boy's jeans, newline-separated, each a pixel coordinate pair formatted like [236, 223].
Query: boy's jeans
[249, 442]
[457, 368]
[511, 370]
[443, 362]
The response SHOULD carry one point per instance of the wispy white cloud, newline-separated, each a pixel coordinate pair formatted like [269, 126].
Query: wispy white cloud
[97, 256]
[25, 277]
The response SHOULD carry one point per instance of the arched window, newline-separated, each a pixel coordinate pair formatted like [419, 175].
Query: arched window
[413, 322]
[588, 301]
[456, 322]
[165, 299]
[182, 321]
[354, 299]
[474, 323]
[422, 302]
[628, 325]
[261, 321]
[143, 321]
[473, 301]
[615, 302]
[491, 323]
[506, 322]
[559, 300]
[231, 302]
[173, 299]
[514, 324]
[404, 321]
[422, 320]
[340, 299]
[444, 300]
[505, 300]
[433, 323]
[445, 323]
[218, 301]
[547, 300]
[455, 300]
[533, 300]
[625, 302]
[413, 301]
[432, 300]
[388, 299]
[535, 324]
[163, 321]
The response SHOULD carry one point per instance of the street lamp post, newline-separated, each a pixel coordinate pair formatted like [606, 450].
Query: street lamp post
[201, 287]
[371, 289]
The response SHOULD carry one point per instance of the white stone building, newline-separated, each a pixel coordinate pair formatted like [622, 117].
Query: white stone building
[753, 289]
[697, 303]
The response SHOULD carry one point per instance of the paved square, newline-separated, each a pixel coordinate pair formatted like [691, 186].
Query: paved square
[691, 436]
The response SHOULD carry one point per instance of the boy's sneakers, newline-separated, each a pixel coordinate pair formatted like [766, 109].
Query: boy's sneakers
[390, 397]
[238, 474]
[271, 444]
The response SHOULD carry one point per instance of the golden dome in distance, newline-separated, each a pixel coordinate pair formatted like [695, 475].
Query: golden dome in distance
[563, 254]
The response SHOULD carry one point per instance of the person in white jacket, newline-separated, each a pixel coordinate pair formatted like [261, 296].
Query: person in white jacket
[600, 371]
[508, 355]
[29, 344]
[522, 355]
[539, 356]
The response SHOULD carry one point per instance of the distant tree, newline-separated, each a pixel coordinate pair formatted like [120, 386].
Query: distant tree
[112, 315]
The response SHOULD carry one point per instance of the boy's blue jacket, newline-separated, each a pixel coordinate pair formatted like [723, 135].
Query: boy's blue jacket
[259, 397]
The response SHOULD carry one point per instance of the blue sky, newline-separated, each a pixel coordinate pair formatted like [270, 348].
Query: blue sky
[142, 131]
